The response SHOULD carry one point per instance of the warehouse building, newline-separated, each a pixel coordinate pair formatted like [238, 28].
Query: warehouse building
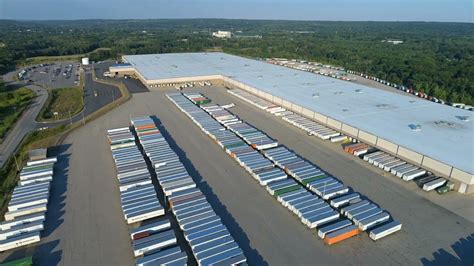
[437, 137]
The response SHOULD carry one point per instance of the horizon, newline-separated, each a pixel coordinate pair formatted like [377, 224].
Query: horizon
[246, 19]
[298, 10]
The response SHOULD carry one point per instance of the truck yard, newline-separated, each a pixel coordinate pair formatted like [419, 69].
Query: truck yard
[89, 226]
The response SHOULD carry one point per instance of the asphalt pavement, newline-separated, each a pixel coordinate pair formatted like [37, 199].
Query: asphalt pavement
[54, 75]
[91, 230]
[133, 85]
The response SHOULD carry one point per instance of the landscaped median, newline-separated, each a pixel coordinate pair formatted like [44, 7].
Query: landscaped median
[62, 104]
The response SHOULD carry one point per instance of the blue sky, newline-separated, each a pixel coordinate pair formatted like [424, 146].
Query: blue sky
[357, 10]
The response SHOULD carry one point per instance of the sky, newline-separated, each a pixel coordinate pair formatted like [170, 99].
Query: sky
[335, 10]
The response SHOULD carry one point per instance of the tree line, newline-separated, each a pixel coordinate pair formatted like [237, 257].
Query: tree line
[435, 58]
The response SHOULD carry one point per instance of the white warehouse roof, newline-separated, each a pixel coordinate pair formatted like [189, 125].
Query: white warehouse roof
[443, 135]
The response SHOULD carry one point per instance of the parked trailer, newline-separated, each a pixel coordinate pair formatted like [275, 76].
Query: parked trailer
[373, 221]
[385, 230]
[389, 166]
[173, 259]
[423, 180]
[145, 214]
[434, 184]
[153, 242]
[323, 231]
[361, 210]
[17, 230]
[19, 241]
[369, 155]
[221, 257]
[338, 138]
[154, 258]
[35, 180]
[25, 211]
[21, 203]
[341, 234]
[149, 229]
[22, 220]
[395, 170]
[413, 174]
[325, 218]
[45, 161]
[340, 201]
[354, 206]
[406, 170]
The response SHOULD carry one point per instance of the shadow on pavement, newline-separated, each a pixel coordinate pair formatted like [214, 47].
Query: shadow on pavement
[229, 221]
[54, 216]
[42, 253]
[464, 249]
[45, 254]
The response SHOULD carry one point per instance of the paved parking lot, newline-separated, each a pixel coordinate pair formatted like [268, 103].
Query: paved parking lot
[88, 228]
[57, 75]
[96, 96]
[133, 85]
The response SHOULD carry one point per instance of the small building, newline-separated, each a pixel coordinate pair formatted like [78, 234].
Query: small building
[121, 69]
[222, 34]
[38, 154]
[85, 61]
[393, 41]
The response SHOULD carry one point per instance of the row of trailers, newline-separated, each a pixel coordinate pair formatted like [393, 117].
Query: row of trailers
[316, 198]
[152, 238]
[311, 127]
[425, 180]
[27, 208]
[400, 168]
[210, 241]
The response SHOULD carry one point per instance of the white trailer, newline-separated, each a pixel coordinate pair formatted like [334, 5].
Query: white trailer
[434, 184]
[21, 229]
[35, 180]
[25, 211]
[19, 241]
[22, 220]
[413, 174]
[44, 161]
[385, 230]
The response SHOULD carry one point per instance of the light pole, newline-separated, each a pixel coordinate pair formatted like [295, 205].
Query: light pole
[16, 163]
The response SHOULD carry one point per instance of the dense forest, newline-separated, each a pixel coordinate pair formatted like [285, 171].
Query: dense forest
[436, 58]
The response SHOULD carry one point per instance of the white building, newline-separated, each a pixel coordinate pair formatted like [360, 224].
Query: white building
[85, 61]
[222, 34]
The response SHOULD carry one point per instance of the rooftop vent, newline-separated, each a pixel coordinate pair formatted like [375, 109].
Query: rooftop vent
[464, 118]
[358, 90]
[445, 123]
[315, 95]
[246, 65]
[412, 101]
[260, 77]
[345, 110]
[414, 127]
[338, 92]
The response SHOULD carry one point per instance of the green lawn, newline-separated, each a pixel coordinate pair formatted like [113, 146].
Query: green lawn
[12, 104]
[51, 59]
[66, 102]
